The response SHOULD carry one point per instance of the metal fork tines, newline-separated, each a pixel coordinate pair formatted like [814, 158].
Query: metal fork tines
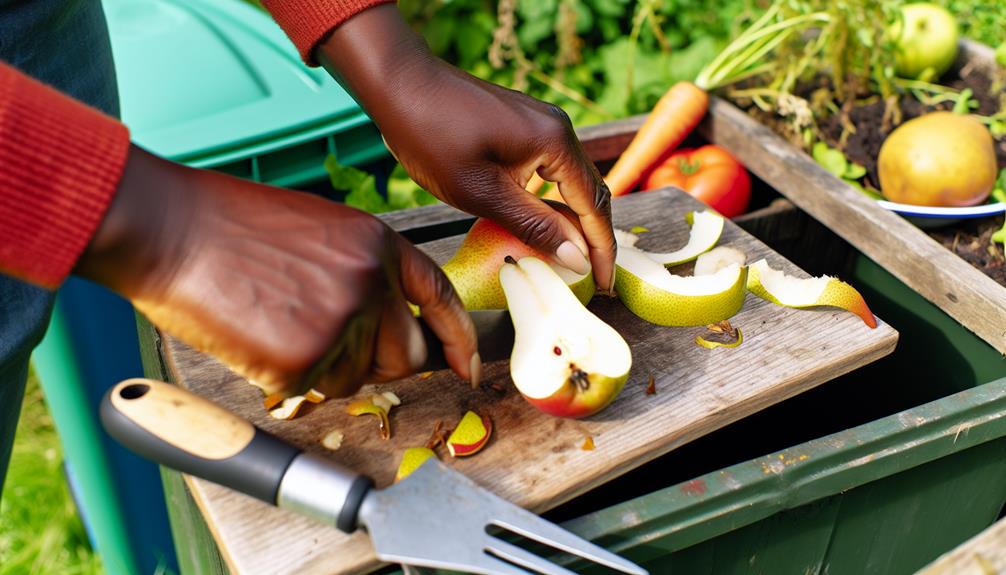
[441, 519]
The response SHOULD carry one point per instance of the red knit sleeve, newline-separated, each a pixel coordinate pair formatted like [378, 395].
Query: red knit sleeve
[60, 163]
[307, 22]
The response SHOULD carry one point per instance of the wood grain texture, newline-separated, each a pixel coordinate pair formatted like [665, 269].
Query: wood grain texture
[533, 459]
[922, 263]
[983, 554]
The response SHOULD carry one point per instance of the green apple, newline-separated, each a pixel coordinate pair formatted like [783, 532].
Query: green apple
[926, 37]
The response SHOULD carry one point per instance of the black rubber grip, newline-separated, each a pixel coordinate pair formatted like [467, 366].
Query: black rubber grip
[256, 470]
[351, 508]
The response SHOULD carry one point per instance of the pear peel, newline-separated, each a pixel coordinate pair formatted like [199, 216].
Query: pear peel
[706, 229]
[654, 294]
[781, 289]
[718, 258]
[565, 360]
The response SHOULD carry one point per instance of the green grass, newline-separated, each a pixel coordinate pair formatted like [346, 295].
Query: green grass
[40, 530]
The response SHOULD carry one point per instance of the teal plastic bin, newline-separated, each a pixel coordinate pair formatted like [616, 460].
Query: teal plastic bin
[213, 84]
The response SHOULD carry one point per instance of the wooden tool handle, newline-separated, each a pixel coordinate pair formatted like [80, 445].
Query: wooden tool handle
[184, 431]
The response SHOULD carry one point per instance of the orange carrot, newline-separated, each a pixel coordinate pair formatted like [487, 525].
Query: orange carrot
[676, 114]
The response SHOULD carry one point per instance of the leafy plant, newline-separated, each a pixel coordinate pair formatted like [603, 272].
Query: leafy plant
[361, 188]
[835, 162]
[598, 59]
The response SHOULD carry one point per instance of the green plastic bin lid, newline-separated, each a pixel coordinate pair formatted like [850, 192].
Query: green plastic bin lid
[214, 82]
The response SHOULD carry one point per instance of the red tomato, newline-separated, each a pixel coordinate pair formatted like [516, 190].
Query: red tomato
[710, 174]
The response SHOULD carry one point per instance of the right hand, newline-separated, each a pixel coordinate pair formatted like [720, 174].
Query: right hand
[290, 290]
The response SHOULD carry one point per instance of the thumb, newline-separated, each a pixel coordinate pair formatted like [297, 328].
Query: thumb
[540, 226]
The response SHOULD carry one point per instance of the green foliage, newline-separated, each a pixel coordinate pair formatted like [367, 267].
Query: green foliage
[598, 59]
[983, 20]
[40, 531]
[361, 189]
[835, 162]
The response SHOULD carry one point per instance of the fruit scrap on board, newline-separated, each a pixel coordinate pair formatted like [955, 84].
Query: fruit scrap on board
[412, 458]
[651, 386]
[654, 294]
[367, 406]
[332, 440]
[288, 408]
[785, 290]
[314, 396]
[565, 360]
[272, 400]
[706, 229]
[588, 444]
[471, 435]
[438, 437]
[722, 335]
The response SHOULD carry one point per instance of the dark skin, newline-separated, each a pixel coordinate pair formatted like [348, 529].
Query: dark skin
[293, 291]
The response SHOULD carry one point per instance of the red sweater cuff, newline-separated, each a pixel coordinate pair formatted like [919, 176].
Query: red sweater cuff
[60, 163]
[308, 22]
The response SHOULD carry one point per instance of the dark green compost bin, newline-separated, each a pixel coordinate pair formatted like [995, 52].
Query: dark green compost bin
[877, 472]
[911, 463]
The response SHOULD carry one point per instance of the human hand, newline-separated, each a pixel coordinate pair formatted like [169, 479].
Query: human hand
[290, 290]
[474, 144]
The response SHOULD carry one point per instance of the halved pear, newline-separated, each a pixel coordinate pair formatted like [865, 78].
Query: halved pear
[775, 286]
[707, 227]
[474, 268]
[658, 296]
[565, 360]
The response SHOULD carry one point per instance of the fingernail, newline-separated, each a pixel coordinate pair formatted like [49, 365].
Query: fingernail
[416, 347]
[570, 256]
[475, 369]
[611, 282]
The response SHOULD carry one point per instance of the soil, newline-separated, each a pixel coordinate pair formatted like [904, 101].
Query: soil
[969, 239]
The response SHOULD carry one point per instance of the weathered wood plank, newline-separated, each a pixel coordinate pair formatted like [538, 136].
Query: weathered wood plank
[962, 291]
[983, 554]
[535, 460]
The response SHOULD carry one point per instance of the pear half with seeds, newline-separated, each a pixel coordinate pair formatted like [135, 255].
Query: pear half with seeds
[775, 286]
[565, 360]
[474, 268]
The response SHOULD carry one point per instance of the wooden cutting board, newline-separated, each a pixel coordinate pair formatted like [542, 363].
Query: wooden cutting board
[536, 460]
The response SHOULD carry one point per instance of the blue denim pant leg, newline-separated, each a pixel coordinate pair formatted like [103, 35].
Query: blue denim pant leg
[63, 43]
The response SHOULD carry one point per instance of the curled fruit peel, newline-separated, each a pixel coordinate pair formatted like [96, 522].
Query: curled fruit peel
[775, 286]
[471, 435]
[314, 396]
[289, 408]
[366, 406]
[714, 344]
[272, 400]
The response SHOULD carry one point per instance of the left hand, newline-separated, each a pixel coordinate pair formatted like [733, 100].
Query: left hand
[474, 144]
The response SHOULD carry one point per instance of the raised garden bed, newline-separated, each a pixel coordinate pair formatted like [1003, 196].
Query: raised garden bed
[923, 261]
